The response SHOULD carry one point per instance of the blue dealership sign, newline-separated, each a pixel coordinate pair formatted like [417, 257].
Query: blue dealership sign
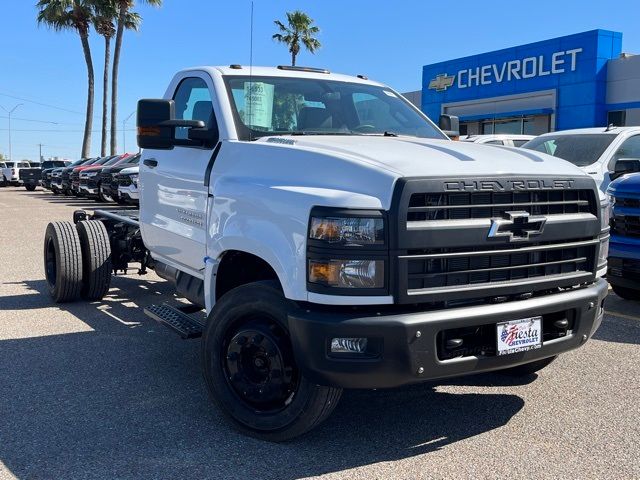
[573, 66]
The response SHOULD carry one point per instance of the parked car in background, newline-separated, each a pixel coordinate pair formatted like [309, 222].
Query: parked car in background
[31, 177]
[109, 181]
[623, 271]
[507, 140]
[61, 182]
[74, 176]
[128, 185]
[89, 178]
[11, 172]
[595, 150]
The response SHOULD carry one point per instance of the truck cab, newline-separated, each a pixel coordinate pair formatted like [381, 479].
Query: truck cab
[328, 235]
[594, 150]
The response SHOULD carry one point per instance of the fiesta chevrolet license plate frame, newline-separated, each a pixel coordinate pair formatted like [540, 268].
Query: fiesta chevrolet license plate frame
[520, 335]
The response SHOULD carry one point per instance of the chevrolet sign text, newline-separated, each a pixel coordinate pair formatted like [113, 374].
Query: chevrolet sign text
[530, 67]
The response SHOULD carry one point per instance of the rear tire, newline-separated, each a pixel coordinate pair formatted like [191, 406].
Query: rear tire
[626, 293]
[528, 368]
[96, 259]
[63, 261]
[30, 188]
[250, 369]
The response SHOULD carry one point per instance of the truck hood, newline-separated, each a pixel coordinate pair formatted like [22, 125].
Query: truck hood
[413, 157]
[627, 185]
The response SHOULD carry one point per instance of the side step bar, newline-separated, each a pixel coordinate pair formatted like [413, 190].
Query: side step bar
[180, 322]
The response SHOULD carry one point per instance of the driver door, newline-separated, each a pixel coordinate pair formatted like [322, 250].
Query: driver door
[173, 197]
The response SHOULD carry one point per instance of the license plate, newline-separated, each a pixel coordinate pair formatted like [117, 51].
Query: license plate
[519, 335]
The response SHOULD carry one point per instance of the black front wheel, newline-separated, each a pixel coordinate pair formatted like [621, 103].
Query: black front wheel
[30, 188]
[63, 261]
[250, 368]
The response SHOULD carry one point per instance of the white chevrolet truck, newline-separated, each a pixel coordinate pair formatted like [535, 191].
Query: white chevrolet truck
[328, 235]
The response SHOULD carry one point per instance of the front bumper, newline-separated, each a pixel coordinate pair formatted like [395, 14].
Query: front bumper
[623, 268]
[86, 190]
[129, 193]
[404, 357]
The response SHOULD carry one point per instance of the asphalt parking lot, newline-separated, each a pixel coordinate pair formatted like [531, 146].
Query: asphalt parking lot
[101, 391]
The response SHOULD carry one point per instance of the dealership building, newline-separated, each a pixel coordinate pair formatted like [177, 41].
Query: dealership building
[581, 80]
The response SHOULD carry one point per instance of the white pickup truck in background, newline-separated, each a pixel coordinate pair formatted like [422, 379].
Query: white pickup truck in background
[594, 150]
[10, 174]
[328, 235]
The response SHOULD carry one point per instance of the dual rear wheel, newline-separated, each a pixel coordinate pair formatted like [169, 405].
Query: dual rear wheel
[77, 260]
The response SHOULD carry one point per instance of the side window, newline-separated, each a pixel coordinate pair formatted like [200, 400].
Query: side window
[630, 148]
[494, 142]
[193, 102]
[373, 111]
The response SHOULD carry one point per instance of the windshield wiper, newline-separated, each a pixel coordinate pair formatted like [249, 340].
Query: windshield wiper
[313, 132]
[389, 134]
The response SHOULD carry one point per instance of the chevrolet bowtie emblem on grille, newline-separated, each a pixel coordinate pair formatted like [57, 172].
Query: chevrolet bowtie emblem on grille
[516, 226]
[441, 82]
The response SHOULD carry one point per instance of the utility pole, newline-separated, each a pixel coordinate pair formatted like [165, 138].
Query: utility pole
[9, 112]
[124, 134]
[40, 145]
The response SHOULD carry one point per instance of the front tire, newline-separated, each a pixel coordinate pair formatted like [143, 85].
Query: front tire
[250, 369]
[528, 368]
[30, 188]
[63, 261]
[96, 259]
[626, 293]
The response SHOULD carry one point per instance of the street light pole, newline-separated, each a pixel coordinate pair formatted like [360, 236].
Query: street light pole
[9, 112]
[124, 134]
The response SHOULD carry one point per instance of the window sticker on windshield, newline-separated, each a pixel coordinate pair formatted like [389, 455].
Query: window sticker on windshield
[390, 93]
[258, 101]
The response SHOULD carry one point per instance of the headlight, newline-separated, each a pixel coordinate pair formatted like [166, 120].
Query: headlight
[134, 179]
[347, 231]
[347, 273]
[604, 250]
[90, 174]
[605, 215]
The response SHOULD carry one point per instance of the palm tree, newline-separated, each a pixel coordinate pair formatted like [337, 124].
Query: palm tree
[105, 13]
[73, 15]
[300, 29]
[124, 15]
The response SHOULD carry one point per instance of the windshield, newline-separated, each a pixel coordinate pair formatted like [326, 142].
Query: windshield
[298, 106]
[53, 164]
[579, 149]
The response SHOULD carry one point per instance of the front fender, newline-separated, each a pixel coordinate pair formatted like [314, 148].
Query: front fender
[271, 222]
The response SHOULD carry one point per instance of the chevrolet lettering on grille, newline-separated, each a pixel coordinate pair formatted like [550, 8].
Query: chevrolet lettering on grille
[517, 226]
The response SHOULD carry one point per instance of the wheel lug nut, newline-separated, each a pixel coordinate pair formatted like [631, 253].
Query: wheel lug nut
[257, 339]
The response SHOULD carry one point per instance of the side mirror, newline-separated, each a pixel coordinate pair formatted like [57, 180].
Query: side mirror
[626, 165]
[157, 124]
[450, 125]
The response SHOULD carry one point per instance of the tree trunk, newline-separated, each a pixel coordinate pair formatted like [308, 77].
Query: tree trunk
[88, 124]
[293, 59]
[114, 79]
[105, 94]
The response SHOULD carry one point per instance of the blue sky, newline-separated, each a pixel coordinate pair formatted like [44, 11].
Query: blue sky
[387, 41]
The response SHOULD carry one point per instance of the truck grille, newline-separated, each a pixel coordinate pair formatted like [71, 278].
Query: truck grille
[475, 245]
[454, 267]
[124, 180]
[456, 206]
[625, 225]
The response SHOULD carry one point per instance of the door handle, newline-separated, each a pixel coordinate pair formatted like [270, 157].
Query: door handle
[151, 162]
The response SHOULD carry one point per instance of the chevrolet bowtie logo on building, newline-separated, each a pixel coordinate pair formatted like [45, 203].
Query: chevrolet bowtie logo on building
[441, 82]
[516, 226]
